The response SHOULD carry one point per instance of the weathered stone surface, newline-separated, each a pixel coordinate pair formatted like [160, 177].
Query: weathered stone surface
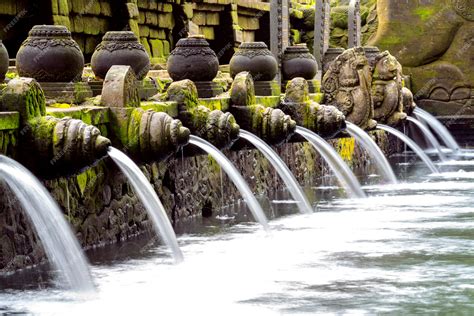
[347, 86]
[120, 88]
[242, 91]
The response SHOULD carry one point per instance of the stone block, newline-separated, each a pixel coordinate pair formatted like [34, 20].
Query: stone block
[63, 7]
[212, 18]
[120, 88]
[249, 23]
[141, 17]
[8, 7]
[153, 4]
[62, 20]
[199, 18]
[133, 24]
[157, 33]
[157, 48]
[188, 10]
[144, 30]
[208, 32]
[143, 4]
[146, 45]
[151, 18]
[132, 10]
[77, 24]
[78, 6]
[106, 10]
[166, 20]
[166, 48]
[92, 25]
[165, 7]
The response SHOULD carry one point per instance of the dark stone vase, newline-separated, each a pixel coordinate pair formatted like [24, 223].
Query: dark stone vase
[120, 48]
[49, 54]
[255, 58]
[298, 62]
[330, 55]
[193, 59]
[4, 61]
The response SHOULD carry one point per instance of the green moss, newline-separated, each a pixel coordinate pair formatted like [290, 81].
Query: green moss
[9, 121]
[425, 12]
[60, 105]
[345, 148]
[269, 101]
[171, 108]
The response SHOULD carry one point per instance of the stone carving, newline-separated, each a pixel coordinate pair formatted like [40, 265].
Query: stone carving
[347, 85]
[120, 48]
[4, 61]
[120, 88]
[215, 126]
[387, 92]
[272, 125]
[50, 146]
[49, 54]
[434, 43]
[325, 120]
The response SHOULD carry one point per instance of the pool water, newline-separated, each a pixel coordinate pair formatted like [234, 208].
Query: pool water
[408, 248]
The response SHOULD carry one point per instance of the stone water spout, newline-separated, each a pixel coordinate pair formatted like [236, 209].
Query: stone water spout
[347, 86]
[145, 135]
[325, 120]
[50, 146]
[215, 126]
[271, 125]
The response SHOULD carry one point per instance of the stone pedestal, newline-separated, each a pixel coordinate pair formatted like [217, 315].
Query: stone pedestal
[146, 89]
[267, 88]
[208, 89]
[314, 86]
[67, 92]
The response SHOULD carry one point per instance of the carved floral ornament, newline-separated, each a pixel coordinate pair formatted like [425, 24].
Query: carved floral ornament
[464, 8]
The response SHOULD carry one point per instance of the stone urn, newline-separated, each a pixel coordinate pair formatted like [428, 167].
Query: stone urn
[193, 59]
[120, 48]
[330, 55]
[255, 58]
[297, 61]
[49, 54]
[4, 61]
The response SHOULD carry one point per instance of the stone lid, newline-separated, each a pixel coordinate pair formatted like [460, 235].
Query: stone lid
[299, 48]
[120, 36]
[193, 41]
[253, 45]
[49, 31]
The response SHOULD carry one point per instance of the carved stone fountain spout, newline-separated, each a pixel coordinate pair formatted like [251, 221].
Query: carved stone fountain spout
[347, 86]
[215, 126]
[325, 120]
[145, 135]
[271, 125]
[50, 146]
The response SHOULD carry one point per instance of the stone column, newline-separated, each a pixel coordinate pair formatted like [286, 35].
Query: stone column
[279, 30]
[354, 24]
[322, 19]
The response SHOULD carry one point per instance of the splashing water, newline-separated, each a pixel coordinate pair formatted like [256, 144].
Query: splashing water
[439, 128]
[374, 151]
[291, 183]
[410, 143]
[235, 176]
[150, 200]
[50, 224]
[431, 138]
[345, 176]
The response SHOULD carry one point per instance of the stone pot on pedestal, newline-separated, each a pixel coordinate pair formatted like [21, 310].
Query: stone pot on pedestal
[297, 61]
[54, 59]
[120, 48]
[4, 61]
[193, 59]
[255, 58]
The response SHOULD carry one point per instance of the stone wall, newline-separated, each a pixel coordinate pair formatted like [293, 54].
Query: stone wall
[103, 209]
